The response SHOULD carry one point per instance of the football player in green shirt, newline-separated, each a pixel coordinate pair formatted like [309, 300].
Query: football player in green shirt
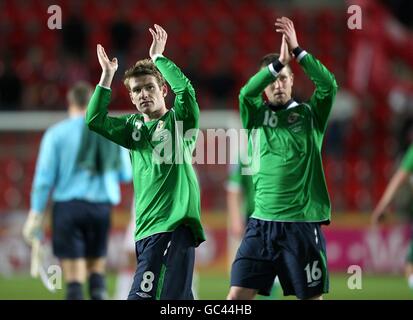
[167, 196]
[401, 176]
[283, 236]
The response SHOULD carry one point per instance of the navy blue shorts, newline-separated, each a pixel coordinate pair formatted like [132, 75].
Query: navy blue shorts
[165, 266]
[293, 251]
[80, 229]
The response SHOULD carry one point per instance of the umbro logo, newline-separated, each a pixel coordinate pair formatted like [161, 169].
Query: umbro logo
[143, 295]
[314, 284]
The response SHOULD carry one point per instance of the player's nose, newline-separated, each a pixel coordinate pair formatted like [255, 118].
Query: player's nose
[144, 93]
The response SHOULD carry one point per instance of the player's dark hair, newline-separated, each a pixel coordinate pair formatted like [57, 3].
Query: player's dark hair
[79, 94]
[270, 58]
[142, 68]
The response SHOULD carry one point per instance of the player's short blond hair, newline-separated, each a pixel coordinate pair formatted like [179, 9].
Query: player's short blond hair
[142, 68]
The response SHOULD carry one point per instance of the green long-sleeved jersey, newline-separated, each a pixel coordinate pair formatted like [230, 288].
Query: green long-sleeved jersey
[285, 147]
[407, 160]
[166, 187]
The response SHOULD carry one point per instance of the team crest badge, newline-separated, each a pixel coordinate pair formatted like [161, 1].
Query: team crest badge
[293, 117]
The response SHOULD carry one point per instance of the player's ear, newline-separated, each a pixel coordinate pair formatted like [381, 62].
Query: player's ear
[164, 90]
[126, 82]
[131, 97]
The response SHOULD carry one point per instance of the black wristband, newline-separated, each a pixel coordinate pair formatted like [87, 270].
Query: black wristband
[297, 51]
[277, 65]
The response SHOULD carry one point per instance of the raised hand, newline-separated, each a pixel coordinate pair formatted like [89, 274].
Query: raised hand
[159, 37]
[285, 55]
[286, 27]
[109, 66]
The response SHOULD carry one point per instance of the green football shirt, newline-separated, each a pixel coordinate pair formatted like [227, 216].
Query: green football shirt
[166, 187]
[243, 183]
[407, 161]
[285, 147]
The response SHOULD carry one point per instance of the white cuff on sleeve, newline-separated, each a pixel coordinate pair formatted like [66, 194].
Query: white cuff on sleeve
[156, 56]
[301, 55]
[272, 70]
[103, 86]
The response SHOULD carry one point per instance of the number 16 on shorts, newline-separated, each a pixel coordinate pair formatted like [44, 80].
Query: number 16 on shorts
[313, 273]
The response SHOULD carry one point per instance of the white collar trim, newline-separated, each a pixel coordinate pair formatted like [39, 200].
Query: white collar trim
[292, 105]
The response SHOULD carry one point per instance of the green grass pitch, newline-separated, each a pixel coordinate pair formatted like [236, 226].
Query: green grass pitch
[213, 285]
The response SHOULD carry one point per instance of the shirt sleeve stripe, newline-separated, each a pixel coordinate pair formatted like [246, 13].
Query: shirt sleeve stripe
[301, 55]
[272, 70]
